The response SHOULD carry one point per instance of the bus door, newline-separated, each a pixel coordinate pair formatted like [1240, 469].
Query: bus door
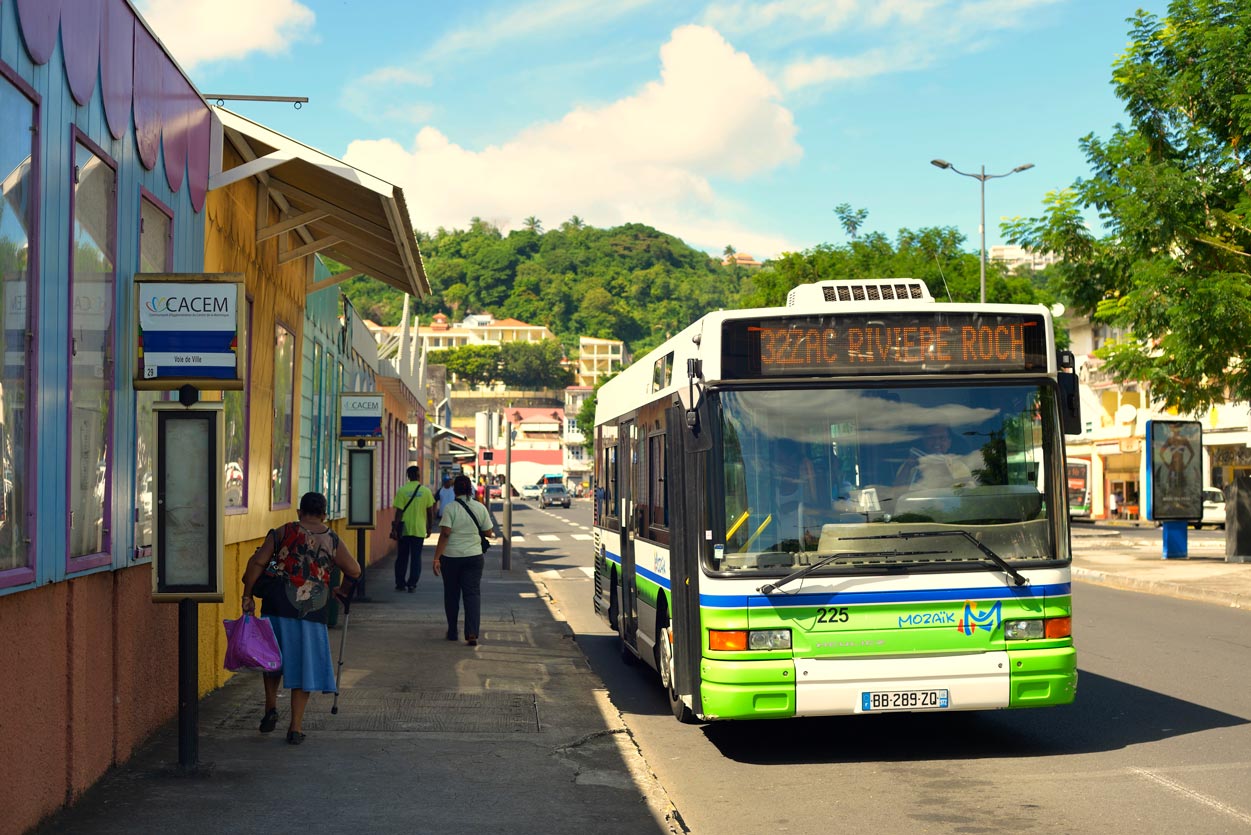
[687, 490]
[628, 463]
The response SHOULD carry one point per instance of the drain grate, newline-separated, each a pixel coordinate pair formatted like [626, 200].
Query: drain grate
[419, 711]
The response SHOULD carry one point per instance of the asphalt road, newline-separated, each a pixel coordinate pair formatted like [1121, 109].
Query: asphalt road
[1159, 739]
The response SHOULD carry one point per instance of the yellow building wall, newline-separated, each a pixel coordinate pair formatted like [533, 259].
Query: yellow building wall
[277, 294]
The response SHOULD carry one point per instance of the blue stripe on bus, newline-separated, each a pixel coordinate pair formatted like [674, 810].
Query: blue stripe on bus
[782, 600]
[848, 598]
[663, 582]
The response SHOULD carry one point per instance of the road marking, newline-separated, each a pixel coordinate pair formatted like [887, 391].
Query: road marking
[519, 537]
[1186, 791]
[585, 537]
[548, 537]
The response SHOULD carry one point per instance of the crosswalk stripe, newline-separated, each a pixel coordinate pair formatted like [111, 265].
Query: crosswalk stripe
[582, 536]
[548, 537]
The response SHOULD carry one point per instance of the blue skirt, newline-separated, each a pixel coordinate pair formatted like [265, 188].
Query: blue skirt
[306, 662]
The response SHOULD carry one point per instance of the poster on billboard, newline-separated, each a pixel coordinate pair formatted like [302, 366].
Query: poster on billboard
[1175, 469]
[188, 522]
[188, 331]
[360, 416]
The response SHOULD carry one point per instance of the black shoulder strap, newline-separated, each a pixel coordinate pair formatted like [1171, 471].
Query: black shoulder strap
[472, 515]
[410, 499]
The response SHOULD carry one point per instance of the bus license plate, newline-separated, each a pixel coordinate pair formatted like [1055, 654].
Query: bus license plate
[903, 700]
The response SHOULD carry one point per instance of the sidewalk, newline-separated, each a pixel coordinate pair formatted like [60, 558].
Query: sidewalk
[1104, 556]
[514, 735]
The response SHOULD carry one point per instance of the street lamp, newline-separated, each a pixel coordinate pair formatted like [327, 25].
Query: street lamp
[982, 178]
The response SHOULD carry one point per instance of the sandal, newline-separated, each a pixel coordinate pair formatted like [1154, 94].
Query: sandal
[269, 721]
[295, 737]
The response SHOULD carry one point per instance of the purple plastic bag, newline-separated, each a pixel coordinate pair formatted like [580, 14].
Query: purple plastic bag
[251, 645]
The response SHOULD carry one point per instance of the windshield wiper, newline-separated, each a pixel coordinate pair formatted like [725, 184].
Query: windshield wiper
[770, 588]
[1017, 577]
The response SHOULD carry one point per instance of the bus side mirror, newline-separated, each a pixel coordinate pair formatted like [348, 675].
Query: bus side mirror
[1070, 399]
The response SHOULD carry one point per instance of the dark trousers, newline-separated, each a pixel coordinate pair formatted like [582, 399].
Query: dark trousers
[408, 560]
[462, 577]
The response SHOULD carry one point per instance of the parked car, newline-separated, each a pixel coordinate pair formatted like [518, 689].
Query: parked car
[1213, 508]
[496, 491]
[554, 494]
[530, 491]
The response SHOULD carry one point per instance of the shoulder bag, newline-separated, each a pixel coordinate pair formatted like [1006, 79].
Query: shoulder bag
[486, 543]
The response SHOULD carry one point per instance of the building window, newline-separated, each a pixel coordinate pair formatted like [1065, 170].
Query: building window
[237, 406]
[18, 184]
[156, 231]
[284, 415]
[91, 354]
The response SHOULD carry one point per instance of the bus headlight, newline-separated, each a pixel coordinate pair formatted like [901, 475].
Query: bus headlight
[769, 639]
[1022, 630]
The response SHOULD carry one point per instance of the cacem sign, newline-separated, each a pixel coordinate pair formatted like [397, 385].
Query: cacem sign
[360, 416]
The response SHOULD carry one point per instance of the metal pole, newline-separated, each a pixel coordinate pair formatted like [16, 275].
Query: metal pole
[188, 685]
[360, 559]
[982, 229]
[507, 564]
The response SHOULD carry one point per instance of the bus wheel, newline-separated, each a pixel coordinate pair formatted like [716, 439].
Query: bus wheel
[664, 664]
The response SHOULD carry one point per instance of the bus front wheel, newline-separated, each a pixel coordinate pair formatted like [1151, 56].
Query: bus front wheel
[665, 665]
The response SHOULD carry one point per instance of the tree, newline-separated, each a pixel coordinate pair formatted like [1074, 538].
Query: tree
[533, 224]
[1171, 190]
[851, 220]
[729, 253]
[472, 364]
[534, 365]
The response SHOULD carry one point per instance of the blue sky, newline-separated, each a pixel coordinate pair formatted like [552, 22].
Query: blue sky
[722, 121]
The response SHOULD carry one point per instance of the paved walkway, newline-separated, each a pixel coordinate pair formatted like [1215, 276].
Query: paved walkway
[515, 735]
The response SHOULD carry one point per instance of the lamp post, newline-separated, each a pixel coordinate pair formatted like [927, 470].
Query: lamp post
[982, 178]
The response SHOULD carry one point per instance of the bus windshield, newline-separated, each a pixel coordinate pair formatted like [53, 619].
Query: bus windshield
[809, 473]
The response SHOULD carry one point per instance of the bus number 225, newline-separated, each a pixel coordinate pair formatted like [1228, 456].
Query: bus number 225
[832, 614]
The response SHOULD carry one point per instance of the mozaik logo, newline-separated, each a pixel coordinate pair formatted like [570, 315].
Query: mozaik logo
[974, 619]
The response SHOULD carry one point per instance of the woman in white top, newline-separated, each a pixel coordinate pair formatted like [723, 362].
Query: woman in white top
[458, 558]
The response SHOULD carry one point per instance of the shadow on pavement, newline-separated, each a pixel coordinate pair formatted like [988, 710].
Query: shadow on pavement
[1108, 715]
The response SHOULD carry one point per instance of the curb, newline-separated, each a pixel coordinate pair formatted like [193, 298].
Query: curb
[654, 795]
[1120, 581]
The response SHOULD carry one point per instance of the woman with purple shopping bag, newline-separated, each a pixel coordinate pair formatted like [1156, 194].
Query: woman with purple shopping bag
[290, 572]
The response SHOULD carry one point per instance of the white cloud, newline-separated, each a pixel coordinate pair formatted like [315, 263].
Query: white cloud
[200, 31]
[382, 97]
[525, 21]
[650, 157]
[910, 34]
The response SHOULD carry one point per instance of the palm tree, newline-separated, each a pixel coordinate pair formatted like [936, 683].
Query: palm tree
[533, 224]
[573, 224]
[851, 221]
[729, 253]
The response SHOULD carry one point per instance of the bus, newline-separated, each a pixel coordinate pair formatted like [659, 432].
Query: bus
[1078, 473]
[852, 504]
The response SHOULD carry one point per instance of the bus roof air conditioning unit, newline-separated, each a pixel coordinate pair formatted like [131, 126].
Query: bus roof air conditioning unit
[875, 290]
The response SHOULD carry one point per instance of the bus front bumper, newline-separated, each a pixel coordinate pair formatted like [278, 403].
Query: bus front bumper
[836, 686]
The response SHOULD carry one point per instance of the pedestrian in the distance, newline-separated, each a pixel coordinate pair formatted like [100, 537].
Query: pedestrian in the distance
[458, 559]
[415, 504]
[445, 497]
[293, 567]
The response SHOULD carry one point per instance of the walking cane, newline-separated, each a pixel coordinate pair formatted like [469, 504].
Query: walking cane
[338, 672]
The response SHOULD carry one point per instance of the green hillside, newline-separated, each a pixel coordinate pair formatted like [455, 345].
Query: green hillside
[639, 285]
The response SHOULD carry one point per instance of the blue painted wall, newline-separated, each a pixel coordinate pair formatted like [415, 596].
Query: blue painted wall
[58, 113]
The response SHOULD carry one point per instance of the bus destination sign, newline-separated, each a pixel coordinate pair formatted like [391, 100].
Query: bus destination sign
[885, 343]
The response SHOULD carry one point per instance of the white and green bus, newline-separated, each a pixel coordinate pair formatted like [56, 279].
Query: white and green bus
[852, 504]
